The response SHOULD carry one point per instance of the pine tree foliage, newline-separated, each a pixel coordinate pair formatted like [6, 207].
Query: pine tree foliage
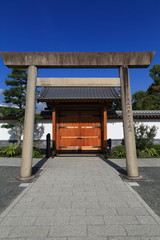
[15, 97]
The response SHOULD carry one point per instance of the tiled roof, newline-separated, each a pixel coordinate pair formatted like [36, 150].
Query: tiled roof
[137, 114]
[141, 114]
[77, 93]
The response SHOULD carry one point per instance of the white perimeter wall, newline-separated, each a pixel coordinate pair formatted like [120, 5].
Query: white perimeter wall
[114, 129]
[6, 134]
[41, 130]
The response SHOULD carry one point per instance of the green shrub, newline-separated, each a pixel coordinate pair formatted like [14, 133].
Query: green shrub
[18, 151]
[13, 150]
[118, 151]
[157, 147]
[37, 153]
[142, 154]
[9, 151]
[152, 152]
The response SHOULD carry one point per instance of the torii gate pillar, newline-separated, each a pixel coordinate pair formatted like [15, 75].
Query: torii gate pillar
[26, 163]
[128, 128]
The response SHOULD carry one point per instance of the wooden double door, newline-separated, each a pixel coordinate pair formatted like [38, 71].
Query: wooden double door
[79, 130]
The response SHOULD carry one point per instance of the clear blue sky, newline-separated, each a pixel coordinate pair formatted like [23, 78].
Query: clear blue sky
[79, 26]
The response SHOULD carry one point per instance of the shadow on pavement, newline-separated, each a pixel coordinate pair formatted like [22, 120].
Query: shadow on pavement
[115, 166]
[38, 165]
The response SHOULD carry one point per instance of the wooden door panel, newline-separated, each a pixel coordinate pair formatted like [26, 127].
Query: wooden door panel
[79, 130]
[69, 131]
[90, 130]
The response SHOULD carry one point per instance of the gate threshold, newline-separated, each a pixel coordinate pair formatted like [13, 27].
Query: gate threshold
[78, 154]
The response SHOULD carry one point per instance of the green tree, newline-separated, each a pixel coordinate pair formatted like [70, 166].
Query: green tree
[149, 100]
[15, 97]
[138, 99]
[155, 74]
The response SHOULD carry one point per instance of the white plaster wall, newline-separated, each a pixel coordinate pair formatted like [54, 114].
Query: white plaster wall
[7, 134]
[115, 129]
[42, 129]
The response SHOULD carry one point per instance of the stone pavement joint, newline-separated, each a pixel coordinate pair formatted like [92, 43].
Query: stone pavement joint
[79, 198]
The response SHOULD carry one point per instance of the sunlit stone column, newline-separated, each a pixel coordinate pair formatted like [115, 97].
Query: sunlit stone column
[26, 164]
[128, 128]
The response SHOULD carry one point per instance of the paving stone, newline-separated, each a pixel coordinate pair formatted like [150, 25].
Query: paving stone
[68, 231]
[17, 212]
[86, 220]
[50, 205]
[31, 205]
[18, 221]
[85, 194]
[49, 199]
[101, 212]
[10, 238]
[85, 204]
[115, 204]
[120, 220]
[62, 212]
[122, 195]
[52, 221]
[143, 230]
[38, 212]
[58, 193]
[154, 238]
[129, 238]
[71, 198]
[34, 238]
[78, 211]
[88, 238]
[4, 232]
[135, 204]
[38, 231]
[126, 211]
[107, 230]
[63, 204]
[70, 211]
[146, 220]
[26, 199]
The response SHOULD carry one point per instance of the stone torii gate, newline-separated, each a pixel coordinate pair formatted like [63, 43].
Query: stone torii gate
[121, 60]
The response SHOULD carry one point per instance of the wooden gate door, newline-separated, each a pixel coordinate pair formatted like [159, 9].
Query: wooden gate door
[79, 131]
[90, 128]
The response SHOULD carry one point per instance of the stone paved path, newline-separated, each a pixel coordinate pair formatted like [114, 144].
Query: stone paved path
[79, 198]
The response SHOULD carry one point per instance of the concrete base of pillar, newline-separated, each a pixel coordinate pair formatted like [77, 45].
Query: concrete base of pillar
[27, 179]
[126, 178]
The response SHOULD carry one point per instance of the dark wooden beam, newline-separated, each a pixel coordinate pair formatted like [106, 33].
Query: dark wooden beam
[54, 126]
[104, 129]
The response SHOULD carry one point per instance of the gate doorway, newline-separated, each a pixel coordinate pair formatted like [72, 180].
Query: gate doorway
[79, 131]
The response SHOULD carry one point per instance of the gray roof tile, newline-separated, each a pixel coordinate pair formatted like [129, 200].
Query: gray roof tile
[136, 114]
[75, 93]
